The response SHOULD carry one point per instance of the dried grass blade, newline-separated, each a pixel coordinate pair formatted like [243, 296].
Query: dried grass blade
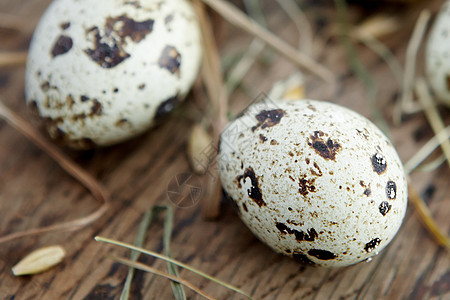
[302, 24]
[177, 288]
[385, 53]
[242, 67]
[212, 77]
[146, 268]
[410, 65]
[433, 116]
[87, 180]
[254, 9]
[426, 150]
[12, 59]
[433, 165]
[236, 17]
[168, 259]
[427, 219]
[138, 242]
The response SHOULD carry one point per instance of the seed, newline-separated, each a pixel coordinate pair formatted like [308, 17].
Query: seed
[39, 260]
[201, 150]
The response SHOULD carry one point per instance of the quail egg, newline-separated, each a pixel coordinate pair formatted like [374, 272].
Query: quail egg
[313, 180]
[437, 56]
[100, 72]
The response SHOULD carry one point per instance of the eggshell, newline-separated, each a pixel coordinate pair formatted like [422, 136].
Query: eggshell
[437, 56]
[100, 72]
[313, 180]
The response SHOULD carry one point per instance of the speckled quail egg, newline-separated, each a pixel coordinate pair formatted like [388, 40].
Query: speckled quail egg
[313, 180]
[100, 72]
[437, 57]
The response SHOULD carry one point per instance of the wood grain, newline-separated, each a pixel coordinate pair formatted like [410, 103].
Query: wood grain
[34, 191]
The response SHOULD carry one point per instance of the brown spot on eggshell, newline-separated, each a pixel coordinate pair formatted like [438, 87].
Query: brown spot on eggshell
[391, 190]
[108, 50]
[367, 190]
[141, 86]
[70, 101]
[364, 133]
[268, 118]
[322, 254]
[62, 45]
[273, 142]
[325, 148]
[84, 98]
[316, 171]
[168, 21]
[105, 55]
[45, 86]
[65, 25]
[126, 27]
[244, 207]
[97, 108]
[121, 123]
[306, 186]
[60, 137]
[384, 207]
[262, 138]
[302, 258]
[135, 4]
[309, 236]
[312, 107]
[370, 246]
[167, 106]
[170, 60]
[253, 192]
[379, 163]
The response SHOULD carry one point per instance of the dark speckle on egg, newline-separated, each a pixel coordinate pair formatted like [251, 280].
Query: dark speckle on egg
[384, 207]
[325, 148]
[268, 118]
[62, 45]
[310, 235]
[391, 190]
[370, 246]
[167, 106]
[109, 42]
[170, 60]
[65, 25]
[322, 254]
[379, 163]
[254, 191]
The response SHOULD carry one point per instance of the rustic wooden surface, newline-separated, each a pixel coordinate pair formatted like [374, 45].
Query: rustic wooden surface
[34, 192]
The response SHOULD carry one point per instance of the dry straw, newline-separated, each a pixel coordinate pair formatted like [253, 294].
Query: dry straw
[77, 172]
[173, 261]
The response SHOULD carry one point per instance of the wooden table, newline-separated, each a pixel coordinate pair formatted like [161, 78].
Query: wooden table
[35, 191]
